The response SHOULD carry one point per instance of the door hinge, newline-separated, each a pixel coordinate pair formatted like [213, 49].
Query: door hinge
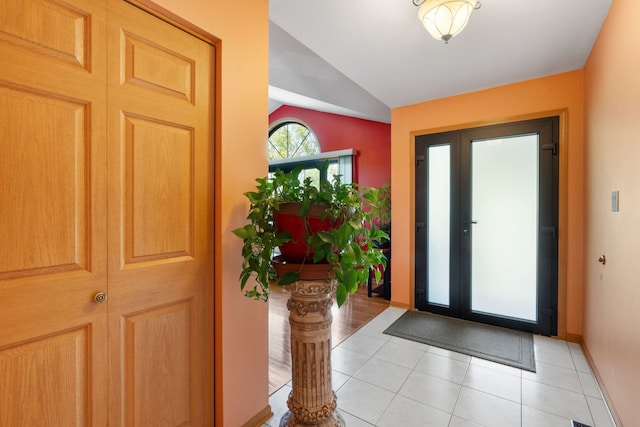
[549, 230]
[419, 225]
[420, 158]
[553, 147]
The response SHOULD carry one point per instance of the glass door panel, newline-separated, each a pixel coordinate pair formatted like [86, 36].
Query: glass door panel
[504, 226]
[439, 223]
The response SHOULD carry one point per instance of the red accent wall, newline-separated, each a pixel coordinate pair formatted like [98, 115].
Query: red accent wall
[370, 140]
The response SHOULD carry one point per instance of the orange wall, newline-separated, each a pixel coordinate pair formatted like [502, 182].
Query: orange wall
[242, 324]
[506, 103]
[612, 133]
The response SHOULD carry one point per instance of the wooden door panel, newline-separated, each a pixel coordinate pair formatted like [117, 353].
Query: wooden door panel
[46, 381]
[160, 222]
[53, 223]
[44, 227]
[55, 29]
[156, 68]
[158, 190]
[159, 366]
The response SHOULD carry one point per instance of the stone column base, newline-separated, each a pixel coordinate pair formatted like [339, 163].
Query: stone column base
[312, 401]
[335, 420]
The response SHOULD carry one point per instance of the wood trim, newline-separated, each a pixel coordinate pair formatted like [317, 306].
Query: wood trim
[400, 305]
[574, 338]
[217, 242]
[563, 183]
[260, 418]
[175, 20]
[605, 394]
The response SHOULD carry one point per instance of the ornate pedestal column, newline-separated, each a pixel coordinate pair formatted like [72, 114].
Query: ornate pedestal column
[312, 401]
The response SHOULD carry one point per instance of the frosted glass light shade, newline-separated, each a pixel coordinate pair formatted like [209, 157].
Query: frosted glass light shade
[444, 19]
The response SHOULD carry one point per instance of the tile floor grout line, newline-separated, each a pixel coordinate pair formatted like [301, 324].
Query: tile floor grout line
[455, 405]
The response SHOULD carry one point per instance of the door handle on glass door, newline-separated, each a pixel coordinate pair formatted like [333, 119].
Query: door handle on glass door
[466, 230]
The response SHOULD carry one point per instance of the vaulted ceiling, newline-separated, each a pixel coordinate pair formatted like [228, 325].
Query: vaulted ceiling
[362, 58]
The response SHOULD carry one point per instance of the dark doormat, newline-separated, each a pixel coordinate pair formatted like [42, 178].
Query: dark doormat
[501, 345]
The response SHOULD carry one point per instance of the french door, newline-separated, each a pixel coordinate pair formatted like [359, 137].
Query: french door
[487, 224]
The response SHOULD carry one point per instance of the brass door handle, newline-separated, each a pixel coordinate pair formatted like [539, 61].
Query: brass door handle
[602, 259]
[100, 297]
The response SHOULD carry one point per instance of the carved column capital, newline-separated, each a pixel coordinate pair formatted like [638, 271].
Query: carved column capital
[312, 287]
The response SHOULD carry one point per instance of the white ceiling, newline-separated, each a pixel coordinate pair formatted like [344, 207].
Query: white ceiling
[363, 57]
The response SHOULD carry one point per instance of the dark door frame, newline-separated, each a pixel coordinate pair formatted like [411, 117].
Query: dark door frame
[459, 141]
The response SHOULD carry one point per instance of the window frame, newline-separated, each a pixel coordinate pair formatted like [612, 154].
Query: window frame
[285, 122]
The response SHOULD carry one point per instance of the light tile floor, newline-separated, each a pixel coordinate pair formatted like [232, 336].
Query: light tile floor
[387, 381]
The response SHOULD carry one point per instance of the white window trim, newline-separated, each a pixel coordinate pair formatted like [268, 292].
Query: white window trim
[322, 156]
[345, 161]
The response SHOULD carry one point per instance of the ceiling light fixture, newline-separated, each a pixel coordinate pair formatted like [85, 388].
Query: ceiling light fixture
[444, 19]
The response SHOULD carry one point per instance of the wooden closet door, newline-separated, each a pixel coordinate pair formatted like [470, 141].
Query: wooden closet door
[160, 158]
[144, 239]
[53, 257]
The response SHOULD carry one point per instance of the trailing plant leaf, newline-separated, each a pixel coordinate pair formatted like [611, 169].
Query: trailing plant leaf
[325, 236]
[321, 253]
[341, 295]
[356, 225]
[351, 281]
[243, 232]
[289, 277]
[378, 275]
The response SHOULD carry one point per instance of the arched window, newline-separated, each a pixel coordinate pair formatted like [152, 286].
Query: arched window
[290, 139]
[292, 143]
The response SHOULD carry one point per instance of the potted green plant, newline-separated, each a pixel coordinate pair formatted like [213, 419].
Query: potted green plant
[346, 245]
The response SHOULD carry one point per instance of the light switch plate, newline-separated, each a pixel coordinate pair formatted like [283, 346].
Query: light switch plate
[615, 201]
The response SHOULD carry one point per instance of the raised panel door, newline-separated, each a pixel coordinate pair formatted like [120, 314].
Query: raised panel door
[53, 257]
[160, 222]
[106, 185]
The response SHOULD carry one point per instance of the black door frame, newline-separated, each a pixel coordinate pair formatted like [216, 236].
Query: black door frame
[460, 246]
